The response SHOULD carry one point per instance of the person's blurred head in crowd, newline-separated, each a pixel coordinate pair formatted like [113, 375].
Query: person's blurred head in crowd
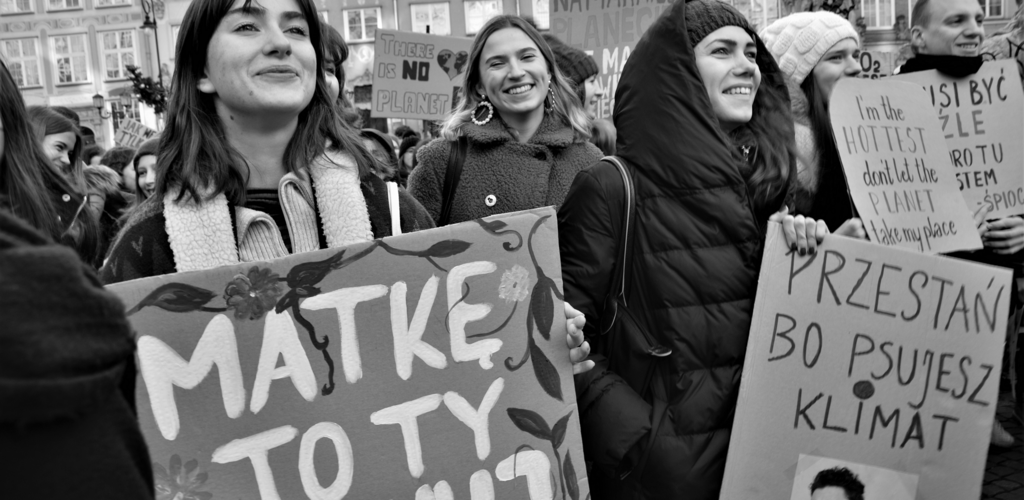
[120, 159]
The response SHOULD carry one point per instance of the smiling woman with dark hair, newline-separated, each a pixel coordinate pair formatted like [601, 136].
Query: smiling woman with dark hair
[254, 162]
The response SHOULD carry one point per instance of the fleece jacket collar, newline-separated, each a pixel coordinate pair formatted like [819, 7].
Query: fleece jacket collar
[201, 236]
[551, 133]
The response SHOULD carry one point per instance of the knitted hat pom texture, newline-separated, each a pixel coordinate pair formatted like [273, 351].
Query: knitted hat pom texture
[799, 41]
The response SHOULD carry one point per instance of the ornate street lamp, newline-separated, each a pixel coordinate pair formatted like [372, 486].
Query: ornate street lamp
[149, 23]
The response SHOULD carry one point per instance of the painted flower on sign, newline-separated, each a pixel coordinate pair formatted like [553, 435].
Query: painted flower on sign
[253, 294]
[515, 284]
[178, 482]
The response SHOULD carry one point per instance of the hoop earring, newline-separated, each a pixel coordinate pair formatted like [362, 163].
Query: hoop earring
[550, 101]
[484, 103]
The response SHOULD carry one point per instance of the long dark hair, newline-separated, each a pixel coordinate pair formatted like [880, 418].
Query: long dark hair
[45, 121]
[567, 106]
[28, 180]
[830, 174]
[194, 153]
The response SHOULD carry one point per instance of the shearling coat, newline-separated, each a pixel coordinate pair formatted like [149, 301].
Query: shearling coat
[518, 176]
[164, 236]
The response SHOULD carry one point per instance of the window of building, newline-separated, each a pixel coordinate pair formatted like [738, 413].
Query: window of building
[878, 14]
[22, 59]
[118, 51]
[112, 3]
[361, 24]
[478, 12]
[431, 18]
[70, 58]
[64, 4]
[542, 14]
[992, 8]
[15, 6]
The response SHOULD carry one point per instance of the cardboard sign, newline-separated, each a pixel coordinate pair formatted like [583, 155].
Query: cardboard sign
[897, 167]
[607, 30]
[878, 360]
[417, 76]
[131, 134]
[428, 365]
[982, 118]
[876, 64]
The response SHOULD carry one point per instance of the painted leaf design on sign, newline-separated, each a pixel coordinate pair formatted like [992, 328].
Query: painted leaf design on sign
[558, 431]
[175, 297]
[446, 248]
[569, 473]
[541, 305]
[530, 422]
[546, 373]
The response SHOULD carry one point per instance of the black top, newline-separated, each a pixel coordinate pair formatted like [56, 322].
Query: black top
[268, 201]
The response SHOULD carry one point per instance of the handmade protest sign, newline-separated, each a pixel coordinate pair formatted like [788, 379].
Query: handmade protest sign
[982, 117]
[428, 365]
[131, 134]
[606, 30]
[417, 76]
[897, 167]
[876, 357]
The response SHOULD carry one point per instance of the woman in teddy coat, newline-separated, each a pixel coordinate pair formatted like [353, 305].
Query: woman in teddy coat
[527, 133]
[811, 71]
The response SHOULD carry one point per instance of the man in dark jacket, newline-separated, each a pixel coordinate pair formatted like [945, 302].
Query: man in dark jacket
[659, 427]
[67, 376]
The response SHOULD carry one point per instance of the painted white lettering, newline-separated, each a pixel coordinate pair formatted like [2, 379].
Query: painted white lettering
[462, 313]
[344, 301]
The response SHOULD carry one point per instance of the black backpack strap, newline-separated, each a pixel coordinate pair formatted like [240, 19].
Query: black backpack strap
[618, 284]
[456, 158]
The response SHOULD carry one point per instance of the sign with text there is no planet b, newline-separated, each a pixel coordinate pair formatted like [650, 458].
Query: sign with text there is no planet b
[897, 167]
[868, 361]
[982, 118]
[430, 365]
[416, 75]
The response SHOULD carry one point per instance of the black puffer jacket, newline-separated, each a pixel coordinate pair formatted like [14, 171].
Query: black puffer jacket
[693, 274]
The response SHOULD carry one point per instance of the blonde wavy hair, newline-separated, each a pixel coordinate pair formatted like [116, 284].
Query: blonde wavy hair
[566, 106]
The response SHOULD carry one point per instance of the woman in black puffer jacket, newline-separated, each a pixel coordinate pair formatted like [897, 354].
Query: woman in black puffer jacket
[706, 134]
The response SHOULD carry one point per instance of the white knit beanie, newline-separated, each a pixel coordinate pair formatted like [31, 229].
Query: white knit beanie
[798, 41]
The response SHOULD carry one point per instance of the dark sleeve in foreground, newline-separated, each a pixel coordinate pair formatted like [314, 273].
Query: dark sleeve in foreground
[141, 249]
[67, 421]
[613, 417]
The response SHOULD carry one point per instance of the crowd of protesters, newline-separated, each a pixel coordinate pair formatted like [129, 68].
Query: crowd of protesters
[720, 129]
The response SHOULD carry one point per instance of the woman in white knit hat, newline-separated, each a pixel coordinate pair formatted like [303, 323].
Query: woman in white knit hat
[814, 51]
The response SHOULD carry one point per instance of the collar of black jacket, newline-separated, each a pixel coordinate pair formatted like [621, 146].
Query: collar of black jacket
[954, 66]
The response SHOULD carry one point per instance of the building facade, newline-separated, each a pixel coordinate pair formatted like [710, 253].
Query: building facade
[63, 52]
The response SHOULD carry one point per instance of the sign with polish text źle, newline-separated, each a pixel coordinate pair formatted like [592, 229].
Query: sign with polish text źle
[131, 134]
[897, 167]
[431, 365]
[982, 119]
[417, 76]
[877, 360]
